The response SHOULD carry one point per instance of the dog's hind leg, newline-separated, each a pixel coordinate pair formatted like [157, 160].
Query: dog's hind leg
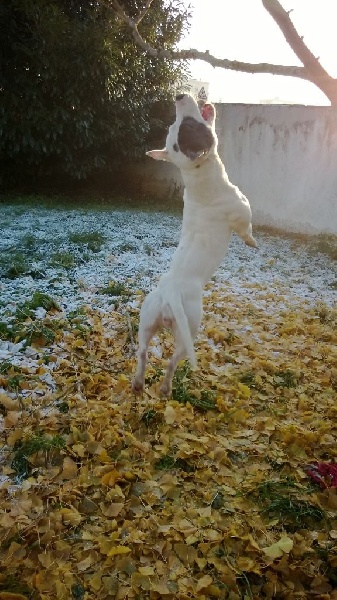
[166, 386]
[246, 234]
[149, 323]
[194, 311]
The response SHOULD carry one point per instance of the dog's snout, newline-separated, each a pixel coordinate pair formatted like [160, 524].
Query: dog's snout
[179, 97]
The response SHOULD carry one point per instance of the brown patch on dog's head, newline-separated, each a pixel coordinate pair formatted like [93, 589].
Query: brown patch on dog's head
[194, 138]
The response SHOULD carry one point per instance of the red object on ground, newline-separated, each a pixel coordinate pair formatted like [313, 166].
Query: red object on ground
[325, 474]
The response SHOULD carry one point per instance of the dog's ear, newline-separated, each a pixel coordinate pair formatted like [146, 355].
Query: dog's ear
[158, 154]
[208, 113]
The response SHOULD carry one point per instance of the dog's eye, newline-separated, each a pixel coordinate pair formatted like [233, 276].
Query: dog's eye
[176, 147]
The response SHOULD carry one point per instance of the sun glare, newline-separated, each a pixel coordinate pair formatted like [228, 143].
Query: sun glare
[243, 30]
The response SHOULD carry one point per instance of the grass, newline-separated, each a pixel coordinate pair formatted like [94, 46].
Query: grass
[24, 450]
[34, 333]
[127, 247]
[17, 266]
[93, 240]
[289, 502]
[283, 378]
[294, 512]
[168, 462]
[5, 367]
[249, 379]
[38, 300]
[88, 200]
[149, 417]
[114, 288]
[25, 326]
[327, 315]
[326, 244]
[65, 260]
[181, 393]
[29, 241]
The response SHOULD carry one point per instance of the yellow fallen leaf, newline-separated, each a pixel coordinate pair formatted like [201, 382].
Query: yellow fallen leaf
[138, 580]
[104, 457]
[283, 546]
[11, 596]
[111, 510]
[79, 343]
[161, 588]
[244, 563]
[214, 591]
[87, 562]
[70, 516]
[109, 479]
[239, 416]
[119, 550]
[204, 582]
[46, 559]
[79, 450]
[69, 470]
[146, 571]
[244, 389]
[11, 419]
[9, 403]
[201, 562]
[169, 414]
[96, 581]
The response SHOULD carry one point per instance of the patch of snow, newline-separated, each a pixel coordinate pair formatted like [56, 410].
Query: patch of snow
[138, 248]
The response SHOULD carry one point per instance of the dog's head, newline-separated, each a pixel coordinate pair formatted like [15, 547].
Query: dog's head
[191, 138]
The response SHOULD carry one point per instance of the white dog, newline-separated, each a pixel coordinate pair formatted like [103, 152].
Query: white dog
[213, 209]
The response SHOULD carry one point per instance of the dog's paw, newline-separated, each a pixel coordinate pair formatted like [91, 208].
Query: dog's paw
[137, 386]
[251, 242]
[165, 389]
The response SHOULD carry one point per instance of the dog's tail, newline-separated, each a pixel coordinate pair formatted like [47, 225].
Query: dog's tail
[174, 306]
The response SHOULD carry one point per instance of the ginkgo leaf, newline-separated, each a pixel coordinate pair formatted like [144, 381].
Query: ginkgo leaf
[70, 516]
[170, 414]
[12, 596]
[276, 550]
[69, 468]
[203, 583]
[119, 550]
[8, 402]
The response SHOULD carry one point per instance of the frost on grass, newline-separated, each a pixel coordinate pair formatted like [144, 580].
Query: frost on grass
[204, 495]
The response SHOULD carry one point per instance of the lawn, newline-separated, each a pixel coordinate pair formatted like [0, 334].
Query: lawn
[226, 490]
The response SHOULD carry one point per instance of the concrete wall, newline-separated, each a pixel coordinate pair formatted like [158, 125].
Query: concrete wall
[284, 159]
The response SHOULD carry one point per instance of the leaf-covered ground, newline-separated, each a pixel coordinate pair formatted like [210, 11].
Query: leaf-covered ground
[204, 495]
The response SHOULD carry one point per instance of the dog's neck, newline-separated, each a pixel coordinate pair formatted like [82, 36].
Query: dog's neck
[202, 169]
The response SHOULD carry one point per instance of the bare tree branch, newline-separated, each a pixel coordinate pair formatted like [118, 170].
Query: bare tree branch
[193, 54]
[316, 73]
[311, 70]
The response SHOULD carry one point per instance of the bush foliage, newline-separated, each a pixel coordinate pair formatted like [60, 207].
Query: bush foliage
[78, 97]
